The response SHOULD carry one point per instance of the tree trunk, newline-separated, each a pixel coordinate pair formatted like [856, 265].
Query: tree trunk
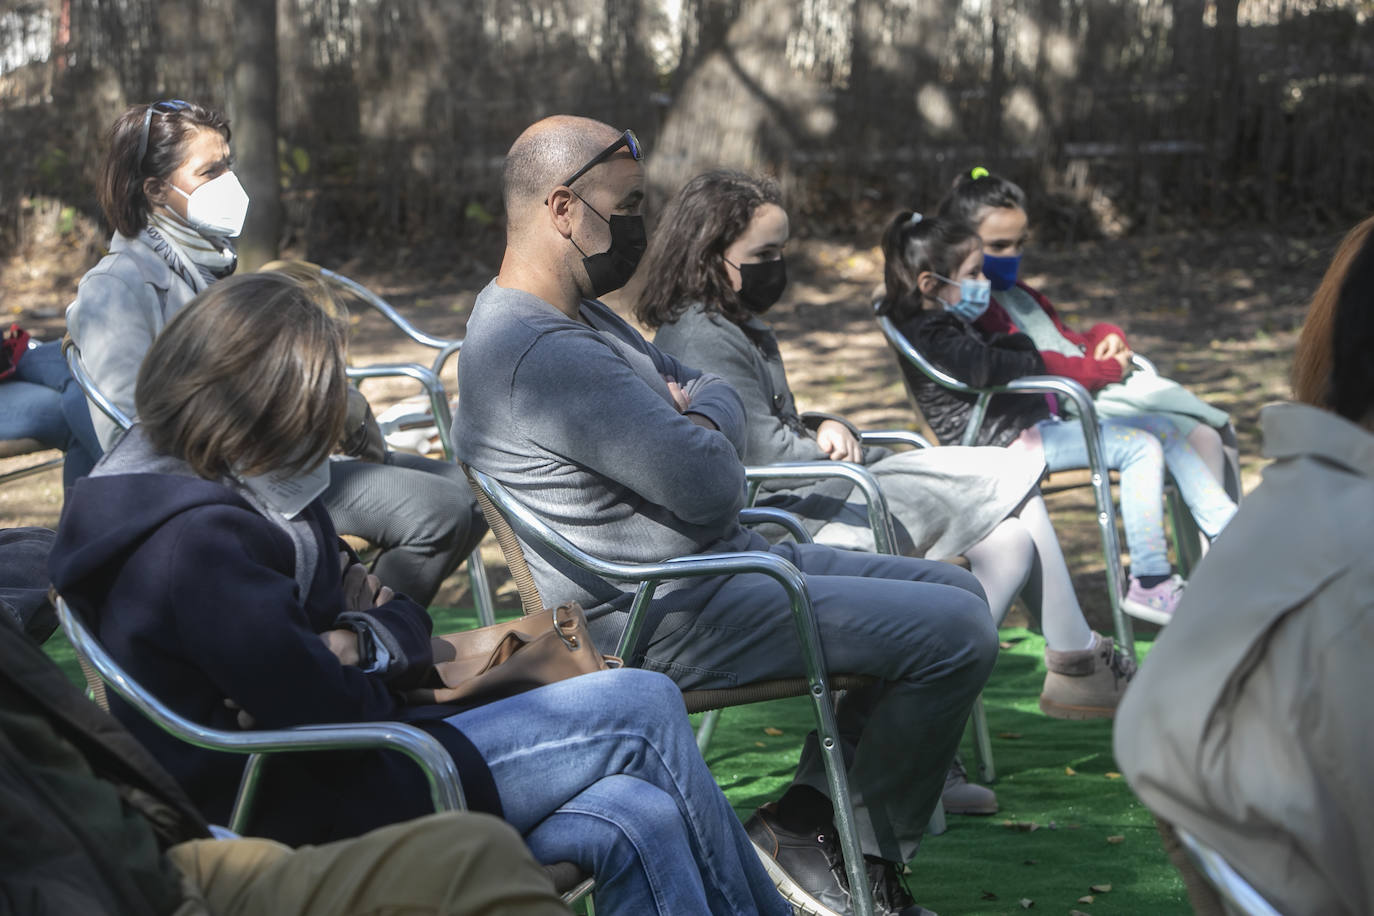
[254, 113]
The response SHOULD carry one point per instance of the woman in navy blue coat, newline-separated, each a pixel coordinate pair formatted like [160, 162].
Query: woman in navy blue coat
[200, 553]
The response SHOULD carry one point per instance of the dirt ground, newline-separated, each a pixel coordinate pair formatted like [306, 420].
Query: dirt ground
[1217, 311]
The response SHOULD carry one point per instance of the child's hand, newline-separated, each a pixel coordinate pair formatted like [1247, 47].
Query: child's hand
[838, 442]
[1109, 347]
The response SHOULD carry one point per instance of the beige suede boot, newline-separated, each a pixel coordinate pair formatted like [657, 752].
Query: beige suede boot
[1086, 684]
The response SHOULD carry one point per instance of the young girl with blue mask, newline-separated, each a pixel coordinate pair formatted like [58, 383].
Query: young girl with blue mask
[1100, 359]
[931, 272]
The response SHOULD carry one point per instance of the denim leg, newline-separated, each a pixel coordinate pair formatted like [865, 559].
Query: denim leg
[1140, 459]
[921, 626]
[548, 747]
[1199, 487]
[632, 833]
[29, 411]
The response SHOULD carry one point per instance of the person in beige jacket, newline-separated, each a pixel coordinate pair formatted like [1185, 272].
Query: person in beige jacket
[1250, 724]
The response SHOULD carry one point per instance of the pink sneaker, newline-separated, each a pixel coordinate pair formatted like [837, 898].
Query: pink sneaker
[1154, 604]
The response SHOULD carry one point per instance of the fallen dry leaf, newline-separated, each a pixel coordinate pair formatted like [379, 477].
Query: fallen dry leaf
[1116, 838]
[1027, 903]
[1004, 645]
[759, 744]
[1010, 736]
[1113, 775]
[770, 730]
[1100, 888]
[1070, 771]
[989, 895]
[1025, 826]
[1086, 898]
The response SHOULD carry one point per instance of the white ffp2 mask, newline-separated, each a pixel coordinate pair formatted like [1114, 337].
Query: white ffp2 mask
[218, 207]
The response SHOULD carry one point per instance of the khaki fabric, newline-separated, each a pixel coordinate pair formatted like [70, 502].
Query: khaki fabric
[441, 864]
[1251, 723]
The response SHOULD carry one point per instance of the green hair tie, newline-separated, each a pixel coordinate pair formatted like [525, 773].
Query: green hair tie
[979, 172]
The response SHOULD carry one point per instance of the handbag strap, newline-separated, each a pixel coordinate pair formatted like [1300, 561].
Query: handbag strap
[530, 602]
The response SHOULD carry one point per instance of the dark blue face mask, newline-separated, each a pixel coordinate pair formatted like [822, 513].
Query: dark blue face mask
[1001, 272]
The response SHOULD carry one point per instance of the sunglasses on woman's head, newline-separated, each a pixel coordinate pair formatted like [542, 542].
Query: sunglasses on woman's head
[165, 107]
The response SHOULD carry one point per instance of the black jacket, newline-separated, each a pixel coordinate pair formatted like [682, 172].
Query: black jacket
[961, 350]
[194, 592]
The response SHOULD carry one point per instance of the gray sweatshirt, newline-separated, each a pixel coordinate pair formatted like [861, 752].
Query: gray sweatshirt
[575, 419]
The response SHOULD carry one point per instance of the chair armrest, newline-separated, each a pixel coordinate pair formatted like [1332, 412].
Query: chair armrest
[894, 437]
[445, 785]
[879, 519]
[766, 515]
[434, 388]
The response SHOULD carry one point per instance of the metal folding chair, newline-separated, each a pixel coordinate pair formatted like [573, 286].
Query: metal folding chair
[13, 448]
[1236, 893]
[512, 522]
[1097, 466]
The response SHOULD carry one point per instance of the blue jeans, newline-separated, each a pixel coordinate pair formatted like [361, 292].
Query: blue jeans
[920, 626]
[1140, 447]
[603, 770]
[42, 401]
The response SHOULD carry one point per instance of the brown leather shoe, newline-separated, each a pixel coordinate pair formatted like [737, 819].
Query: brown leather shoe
[1085, 684]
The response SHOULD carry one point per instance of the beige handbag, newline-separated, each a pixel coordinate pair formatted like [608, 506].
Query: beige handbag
[489, 663]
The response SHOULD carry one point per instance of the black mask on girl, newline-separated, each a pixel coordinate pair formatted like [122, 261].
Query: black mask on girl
[613, 268]
[761, 284]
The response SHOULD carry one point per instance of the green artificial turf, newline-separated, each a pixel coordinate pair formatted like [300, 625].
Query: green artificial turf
[1067, 820]
[1052, 841]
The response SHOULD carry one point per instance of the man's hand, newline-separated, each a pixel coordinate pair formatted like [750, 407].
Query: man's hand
[681, 400]
[838, 442]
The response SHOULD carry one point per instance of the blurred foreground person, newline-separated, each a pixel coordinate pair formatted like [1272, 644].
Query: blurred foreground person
[1250, 725]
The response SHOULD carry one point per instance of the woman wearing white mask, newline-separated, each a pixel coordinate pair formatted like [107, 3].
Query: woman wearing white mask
[168, 188]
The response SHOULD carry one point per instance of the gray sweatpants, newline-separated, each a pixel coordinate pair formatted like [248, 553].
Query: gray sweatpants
[420, 513]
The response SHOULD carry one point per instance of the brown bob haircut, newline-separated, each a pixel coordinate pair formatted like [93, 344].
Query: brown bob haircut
[120, 188]
[1332, 366]
[248, 378]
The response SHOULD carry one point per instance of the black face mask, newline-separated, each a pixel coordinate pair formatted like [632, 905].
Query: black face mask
[761, 284]
[613, 268]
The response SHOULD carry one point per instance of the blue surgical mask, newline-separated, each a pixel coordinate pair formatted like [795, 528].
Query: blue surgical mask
[974, 293]
[1001, 271]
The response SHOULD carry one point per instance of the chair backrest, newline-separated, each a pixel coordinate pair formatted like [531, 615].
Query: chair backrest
[1234, 889]
[906, 352]
[530, 600]
[88, 385]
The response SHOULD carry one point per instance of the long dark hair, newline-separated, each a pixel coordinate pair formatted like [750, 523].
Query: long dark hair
[120, 188]
[1332, 367]
[685, 261]
[912, 245]
[976, 192]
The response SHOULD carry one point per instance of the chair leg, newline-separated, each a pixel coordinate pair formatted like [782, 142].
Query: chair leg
[937, 825]
[707, 729]
[481, 588]
[982, 742]
[1187, 537]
